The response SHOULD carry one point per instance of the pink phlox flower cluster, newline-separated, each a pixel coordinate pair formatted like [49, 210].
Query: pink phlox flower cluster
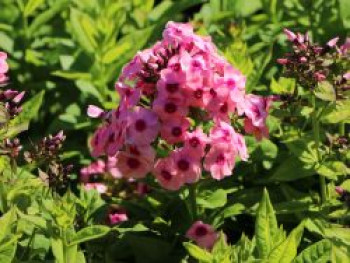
[169, 94]
[3, 67]
[203, 234]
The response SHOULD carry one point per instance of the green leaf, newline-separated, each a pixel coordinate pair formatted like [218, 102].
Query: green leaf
[8, 250]
[214, 200]
[114, 53]
[58, 250]
[198, 253]
[6, 222]
[72, 75]
[332, 169]
[286, 251]
[243, 250]
[282, 86]
[344, 6]
[46, 16]
[340, 253]
[318, 252]
[339, 113]
[89, 233]
[266, 226]
[325, 91]
[83, 30]
[31, 6]
[291, 169]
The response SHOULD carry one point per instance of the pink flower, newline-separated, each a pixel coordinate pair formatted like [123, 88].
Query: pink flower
[290, 35]
[99, 140]
[95, 112]
[319, 76]
[136, 162]
[195, 142]
[239, 146]
[339, 190]
[143, 126]
[111, 167]
[170, 84]
[220, 161]
[17, 99]
[174, 131]
[332, 42]
[258, 132]
[99, 187]
[129, 96]
[116, 138]
[187, 165]
[142, 189]
[222, 133]
[197, 96]
[117, 217]
[345, 47]
[282, 61]
[166, 174]
[203, 234]
[3, 67]
[257, 108]
[169, 108]
[97, 167]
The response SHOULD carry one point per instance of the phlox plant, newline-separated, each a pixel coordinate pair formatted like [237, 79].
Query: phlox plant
[162, 186]
[180, 118]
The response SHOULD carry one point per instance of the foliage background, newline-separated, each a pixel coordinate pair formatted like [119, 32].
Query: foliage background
[74, 50]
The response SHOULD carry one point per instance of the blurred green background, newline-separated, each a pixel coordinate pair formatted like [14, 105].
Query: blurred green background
[75, 49]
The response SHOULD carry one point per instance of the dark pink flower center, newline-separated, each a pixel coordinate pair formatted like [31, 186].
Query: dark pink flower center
[128, 92]
[194, 142]
[170, 107]
[196, 64]
[166, 175]
[198, 94]
[140, 125]
[201, 231]
[220, 159]
[231, 82]
[176, 66]
[172, 87]
[213, 93]
[224, 108]
[176, 131]
[133, 163]
[183, 164]
[133, 150]
[111, 137]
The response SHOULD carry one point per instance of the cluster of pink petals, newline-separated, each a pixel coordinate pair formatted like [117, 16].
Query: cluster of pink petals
[117, 217]
[100, 167]
[99, 187]
[203, 234]
[3, 67]
[178, 97]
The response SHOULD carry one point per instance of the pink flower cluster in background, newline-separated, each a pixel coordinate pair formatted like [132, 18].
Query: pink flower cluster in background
[3, 67]
[11, 99]
[177, 100]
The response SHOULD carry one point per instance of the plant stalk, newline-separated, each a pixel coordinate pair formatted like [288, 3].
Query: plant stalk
[192, 194]
[316, 134]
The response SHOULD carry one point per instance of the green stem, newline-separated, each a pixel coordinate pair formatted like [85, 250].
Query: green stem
[192, 191]
[342, 129]
[316, 133]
